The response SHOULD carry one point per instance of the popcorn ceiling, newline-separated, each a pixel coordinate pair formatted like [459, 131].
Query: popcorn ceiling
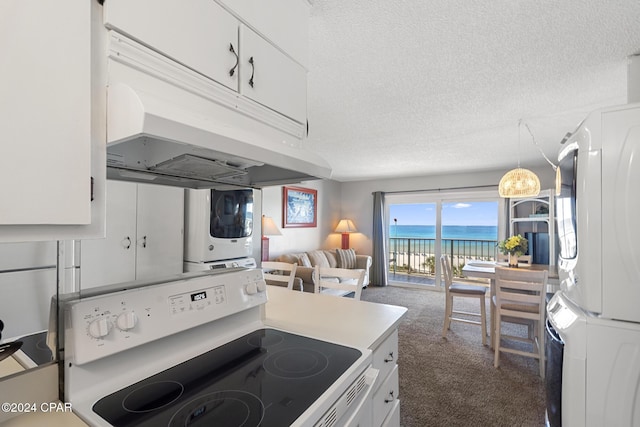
[410, 88]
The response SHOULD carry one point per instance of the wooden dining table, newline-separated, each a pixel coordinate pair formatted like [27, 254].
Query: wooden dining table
[487, 270]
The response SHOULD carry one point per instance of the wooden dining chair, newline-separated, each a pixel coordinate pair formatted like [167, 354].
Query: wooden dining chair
[338, 281]
[279, 273]
[520, 298]
[462, 291]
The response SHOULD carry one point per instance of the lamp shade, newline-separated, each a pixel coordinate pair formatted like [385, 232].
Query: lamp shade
[519, 182]
[346, 226]
[269, 228]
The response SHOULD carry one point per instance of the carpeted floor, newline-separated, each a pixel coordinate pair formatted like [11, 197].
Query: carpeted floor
[452, 382]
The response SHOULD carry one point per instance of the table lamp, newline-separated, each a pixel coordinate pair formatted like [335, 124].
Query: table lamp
[345, 226]
[269, 228]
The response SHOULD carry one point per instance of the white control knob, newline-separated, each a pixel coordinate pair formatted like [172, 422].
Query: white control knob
[262, 286]
[127, 320]
[99, 328]
[251, 289]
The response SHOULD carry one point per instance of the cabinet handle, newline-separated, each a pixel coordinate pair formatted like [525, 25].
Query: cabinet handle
[233, 70]
[144, 241]
[390, 358]
[253, 69]
[391, 398]
[127, 245]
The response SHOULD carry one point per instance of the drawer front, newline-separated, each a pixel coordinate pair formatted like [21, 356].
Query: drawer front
[393, 419]
[385, 357]
[385, 397]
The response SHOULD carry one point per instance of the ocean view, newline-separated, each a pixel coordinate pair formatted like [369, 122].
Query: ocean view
[454, 232]
[460, 241]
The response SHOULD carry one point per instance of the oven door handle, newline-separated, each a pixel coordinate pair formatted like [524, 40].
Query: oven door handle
[356, 417]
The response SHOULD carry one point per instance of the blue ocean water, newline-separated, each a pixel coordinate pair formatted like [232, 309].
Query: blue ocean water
[454, 232]
[464, 240]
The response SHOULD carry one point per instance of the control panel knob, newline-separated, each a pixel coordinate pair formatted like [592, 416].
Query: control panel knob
[251, 289]
[127, 320]
[262, 286]
[99, 328]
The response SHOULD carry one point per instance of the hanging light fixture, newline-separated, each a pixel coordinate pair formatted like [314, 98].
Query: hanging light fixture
[554, 166]
[519, 182]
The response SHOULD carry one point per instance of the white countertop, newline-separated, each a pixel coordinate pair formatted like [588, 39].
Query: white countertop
[340, 320]
[50, 418]
[9, 366]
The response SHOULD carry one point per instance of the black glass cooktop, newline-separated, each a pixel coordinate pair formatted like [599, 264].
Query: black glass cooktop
[267, 378]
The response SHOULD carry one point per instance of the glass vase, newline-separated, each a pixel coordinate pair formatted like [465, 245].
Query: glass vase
[513, 261]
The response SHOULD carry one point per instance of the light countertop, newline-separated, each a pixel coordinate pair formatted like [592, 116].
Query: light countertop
[49, 418]
[9, 366]
[342, 320]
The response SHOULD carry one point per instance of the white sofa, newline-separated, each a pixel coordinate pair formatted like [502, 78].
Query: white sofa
[340, 258]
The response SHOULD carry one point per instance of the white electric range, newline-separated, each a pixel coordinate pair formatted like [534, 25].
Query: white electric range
[195, 351]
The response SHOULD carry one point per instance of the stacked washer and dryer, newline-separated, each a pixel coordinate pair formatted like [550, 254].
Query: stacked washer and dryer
[593, 328]
[222, 229]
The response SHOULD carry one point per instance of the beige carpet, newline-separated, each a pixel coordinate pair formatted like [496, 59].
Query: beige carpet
[452, 382]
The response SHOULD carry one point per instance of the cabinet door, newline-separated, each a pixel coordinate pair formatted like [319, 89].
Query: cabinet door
[45, 117]
[197, 33]
[160, 219]
[271, 78]
[112, 259]
[285, 23]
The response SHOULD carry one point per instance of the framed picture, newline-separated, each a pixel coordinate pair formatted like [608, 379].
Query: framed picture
[299, 207]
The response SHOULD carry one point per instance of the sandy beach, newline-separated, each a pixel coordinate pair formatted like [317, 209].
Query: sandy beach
[417, 261]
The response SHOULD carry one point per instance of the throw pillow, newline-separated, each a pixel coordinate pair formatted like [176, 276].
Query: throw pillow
[331, 257]
[318, 258]
[303, 260]
[346, 258]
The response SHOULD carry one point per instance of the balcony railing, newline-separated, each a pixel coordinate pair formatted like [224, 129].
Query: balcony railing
[417, 256]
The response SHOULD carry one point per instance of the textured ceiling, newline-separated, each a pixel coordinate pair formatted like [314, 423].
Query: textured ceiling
[409, 88]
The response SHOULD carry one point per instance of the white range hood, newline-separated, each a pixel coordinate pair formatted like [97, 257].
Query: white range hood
[171, 126]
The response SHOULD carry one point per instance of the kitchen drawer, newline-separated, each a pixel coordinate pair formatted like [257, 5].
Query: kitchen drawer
[393, 419]
[385, 397]
[385, 357]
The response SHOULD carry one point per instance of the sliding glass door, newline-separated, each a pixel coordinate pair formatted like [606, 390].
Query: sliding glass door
[423, 226]
[412, 238]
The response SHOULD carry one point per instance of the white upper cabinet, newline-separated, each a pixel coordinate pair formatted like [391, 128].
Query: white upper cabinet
[270, 78]
[52, 152]
[284, 23]
[223, 46]
[199, 34]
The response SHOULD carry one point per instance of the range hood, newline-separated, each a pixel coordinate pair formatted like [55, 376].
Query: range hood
[180, 141]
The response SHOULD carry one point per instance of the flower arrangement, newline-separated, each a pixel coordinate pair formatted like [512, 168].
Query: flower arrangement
[514, 245]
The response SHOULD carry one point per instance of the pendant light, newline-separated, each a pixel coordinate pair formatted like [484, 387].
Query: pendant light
[519, 182]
